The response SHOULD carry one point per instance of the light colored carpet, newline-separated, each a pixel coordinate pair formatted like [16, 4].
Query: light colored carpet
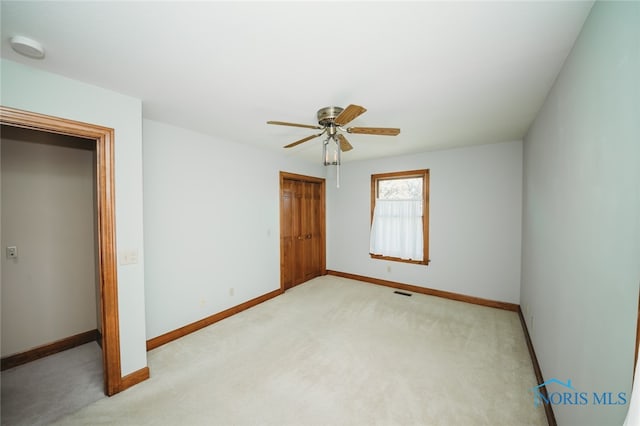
[337, 352]
[42, 391]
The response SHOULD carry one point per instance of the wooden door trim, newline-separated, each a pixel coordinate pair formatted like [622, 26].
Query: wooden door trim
[103, 137]
[303, 178]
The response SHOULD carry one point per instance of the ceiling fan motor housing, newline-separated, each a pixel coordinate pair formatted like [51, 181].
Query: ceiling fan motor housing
[328, 114]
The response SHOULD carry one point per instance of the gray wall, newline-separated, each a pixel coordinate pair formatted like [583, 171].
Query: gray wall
[211, 224]
[474, 221]
[581, 223]
[49, 291]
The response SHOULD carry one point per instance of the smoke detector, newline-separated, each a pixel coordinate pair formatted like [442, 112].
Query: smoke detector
[27, 47]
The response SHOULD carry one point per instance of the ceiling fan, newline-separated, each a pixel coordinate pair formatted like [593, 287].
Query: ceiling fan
[331, 120]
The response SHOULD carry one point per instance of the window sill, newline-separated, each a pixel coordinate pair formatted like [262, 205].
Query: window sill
[397, 259]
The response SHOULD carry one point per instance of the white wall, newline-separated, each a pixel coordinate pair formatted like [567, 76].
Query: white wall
[49, 291]
[211, 221]
[30, 89]
[581, 226]
[474, 221]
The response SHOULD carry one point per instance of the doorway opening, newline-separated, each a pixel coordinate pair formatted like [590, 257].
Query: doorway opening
[101, 139]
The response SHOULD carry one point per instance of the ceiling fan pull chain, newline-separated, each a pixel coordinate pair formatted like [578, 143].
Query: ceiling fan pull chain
[325, 152]
[338, 164]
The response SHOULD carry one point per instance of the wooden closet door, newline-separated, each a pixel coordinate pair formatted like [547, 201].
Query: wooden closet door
[301, 211]
[302, 233]
[287, 261]
[312, 231]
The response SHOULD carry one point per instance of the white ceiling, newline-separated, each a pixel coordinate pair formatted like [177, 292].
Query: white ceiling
[449, 74]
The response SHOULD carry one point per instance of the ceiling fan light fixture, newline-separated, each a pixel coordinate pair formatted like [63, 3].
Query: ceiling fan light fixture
[27, 47]
[331, 120]
[331, 152]
[331, 155]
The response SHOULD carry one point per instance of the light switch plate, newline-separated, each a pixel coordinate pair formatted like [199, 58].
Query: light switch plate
[128, 257]
[12, 252]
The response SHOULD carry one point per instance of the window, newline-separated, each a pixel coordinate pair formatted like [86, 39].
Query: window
[400, 216]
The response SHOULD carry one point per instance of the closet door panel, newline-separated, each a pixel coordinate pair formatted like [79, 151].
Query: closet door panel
[314, 232]
[287, 260]
[302, 234]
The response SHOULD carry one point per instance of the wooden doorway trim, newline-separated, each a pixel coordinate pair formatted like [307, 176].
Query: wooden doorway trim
[323, 250]
[105, 195]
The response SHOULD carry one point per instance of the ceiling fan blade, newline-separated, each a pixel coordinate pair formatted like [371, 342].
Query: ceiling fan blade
[284, 123]
[348, 114]
[308, 138]
[382, 131]
[344, 143]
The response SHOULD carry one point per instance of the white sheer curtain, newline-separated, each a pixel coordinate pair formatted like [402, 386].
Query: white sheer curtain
[397, 229]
